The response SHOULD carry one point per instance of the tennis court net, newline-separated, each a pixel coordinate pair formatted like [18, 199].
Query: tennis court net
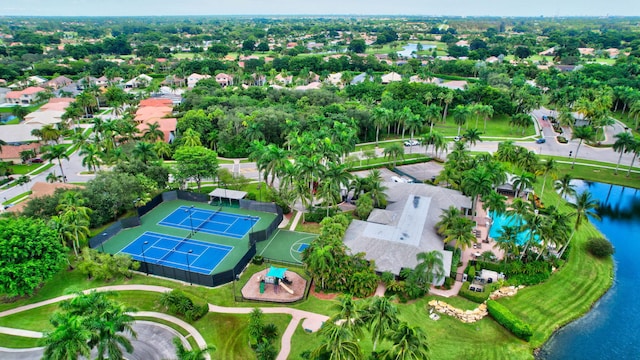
[165, 256]
[208, 219]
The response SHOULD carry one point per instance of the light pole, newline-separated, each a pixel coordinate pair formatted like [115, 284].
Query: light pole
[188, 266]
[104, 238]
[144, 260]
[190, 210]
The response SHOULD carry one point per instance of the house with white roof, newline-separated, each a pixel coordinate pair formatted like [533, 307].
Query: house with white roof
[193, 79]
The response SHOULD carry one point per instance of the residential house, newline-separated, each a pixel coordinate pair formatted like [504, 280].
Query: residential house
[454, 84]
[334, 79]
[11, 153]
[193, 79]
[49, 113]
[391, 238]
[224, 79]
[141, 80]
[23, 97]
[391, 77]
[548, 52]
[59, 82]
[156, 110]
[463, 43]
[283, 80]
[315, 85]
[3, 94]
[360, 78]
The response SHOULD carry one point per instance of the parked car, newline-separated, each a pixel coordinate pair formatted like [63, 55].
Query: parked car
[541, 141]
[411, 143]
[36, 161]
[457, 138]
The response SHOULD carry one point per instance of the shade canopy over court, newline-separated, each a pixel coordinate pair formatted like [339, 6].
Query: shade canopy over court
[221, 193]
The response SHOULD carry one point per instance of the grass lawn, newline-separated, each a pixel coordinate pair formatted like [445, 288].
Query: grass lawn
[22, 169]
[43, 169]
[630, 122]
[18, 342]
[598, 174]
[308, 227]
[498, 126]
[17, 197]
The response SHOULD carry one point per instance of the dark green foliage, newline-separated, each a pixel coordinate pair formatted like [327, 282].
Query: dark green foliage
[562, 140]
[600, 247]
[478, 297]
[316, 214]
[510, 321]
[31, 254]
[103, 266]
[179, 303]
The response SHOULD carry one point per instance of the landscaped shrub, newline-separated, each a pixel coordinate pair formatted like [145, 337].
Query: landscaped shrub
[600, 247]
[316, 214]
[455, 260]
[510, 321]
[448, 282]
[478, 297]
[257, 260]
[562, 140]
[497, 267]
[472, 272]
[178, 303]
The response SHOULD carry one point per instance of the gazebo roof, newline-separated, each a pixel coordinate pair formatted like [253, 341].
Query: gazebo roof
[228, 194]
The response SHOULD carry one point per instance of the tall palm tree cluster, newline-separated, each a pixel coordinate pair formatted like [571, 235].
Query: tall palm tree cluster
[375, 319]
[86, 322]
[330, 266]
[72, 221]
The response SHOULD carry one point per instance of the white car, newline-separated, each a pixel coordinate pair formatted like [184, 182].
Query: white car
[457, 138]
[411, 143]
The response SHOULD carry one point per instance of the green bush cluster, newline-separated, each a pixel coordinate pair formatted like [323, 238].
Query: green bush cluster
[600, 247]
[477, 297]
[180, 304]
[510, 321]
[562, 140]
[455, 260]
[316, 214]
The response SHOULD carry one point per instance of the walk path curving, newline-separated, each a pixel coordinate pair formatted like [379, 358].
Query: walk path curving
[310, 321]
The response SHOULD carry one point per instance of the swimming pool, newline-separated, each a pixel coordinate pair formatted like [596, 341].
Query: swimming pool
[502, 220]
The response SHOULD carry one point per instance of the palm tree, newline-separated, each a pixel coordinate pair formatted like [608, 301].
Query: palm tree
[349, 314]
[163, 150]
[549, 167]
[564, 187]
[56, 152]
[91, 157]
[477, 182]
[379, 316]
[472, 136]
[114, 323]
[583, 133]
[523, 182]
[534, 222]
[49, 133]
[432, 114]
[507, 151]
[461, 232]
[393, 152]
[144, 152]
[375, 188]
[409, 343]
[486, 111]
[447, 218]
[430, 267]
[381, 118]
[153, 132]
[191, 138]
[635, 148]
[584, 207]
[623, 144]
[494, 202]
[507, 240]
[460, 115]
[76, 215]
[69, 340]
[413, 123]
[338, 343]
[196, 354]
[448, 99]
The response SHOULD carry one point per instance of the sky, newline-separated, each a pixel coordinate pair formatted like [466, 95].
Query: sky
[548, 8]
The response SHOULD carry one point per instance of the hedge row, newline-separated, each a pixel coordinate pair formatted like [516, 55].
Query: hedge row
[510, 321]
[477, 297]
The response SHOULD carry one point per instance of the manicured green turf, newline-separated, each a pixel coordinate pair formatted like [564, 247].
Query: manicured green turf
[18, 342]
[17, 197]
[21, 169]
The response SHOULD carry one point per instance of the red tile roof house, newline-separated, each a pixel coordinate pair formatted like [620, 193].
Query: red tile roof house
[12, 153]
[23, 97]
[59, 82]
[156, 110]
[224, 79]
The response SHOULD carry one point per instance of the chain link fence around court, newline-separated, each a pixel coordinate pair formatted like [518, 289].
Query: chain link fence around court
[264, 234]
[183, 275]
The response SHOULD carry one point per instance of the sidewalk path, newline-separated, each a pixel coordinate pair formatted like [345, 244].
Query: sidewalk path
[311, 321]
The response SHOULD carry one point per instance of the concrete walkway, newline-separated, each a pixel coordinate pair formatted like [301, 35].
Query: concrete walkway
[310, 321]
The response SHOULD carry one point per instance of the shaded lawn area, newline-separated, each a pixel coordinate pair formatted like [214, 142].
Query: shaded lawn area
[18, 342]
[498, 126]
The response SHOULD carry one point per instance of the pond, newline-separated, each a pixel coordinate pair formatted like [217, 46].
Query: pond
[409, 49]
[611, 330]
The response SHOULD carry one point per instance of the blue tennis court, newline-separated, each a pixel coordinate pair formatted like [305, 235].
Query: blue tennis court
[175, 252]
[210, 221]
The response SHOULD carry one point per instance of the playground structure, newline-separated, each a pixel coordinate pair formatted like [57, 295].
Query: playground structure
[266, 284]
